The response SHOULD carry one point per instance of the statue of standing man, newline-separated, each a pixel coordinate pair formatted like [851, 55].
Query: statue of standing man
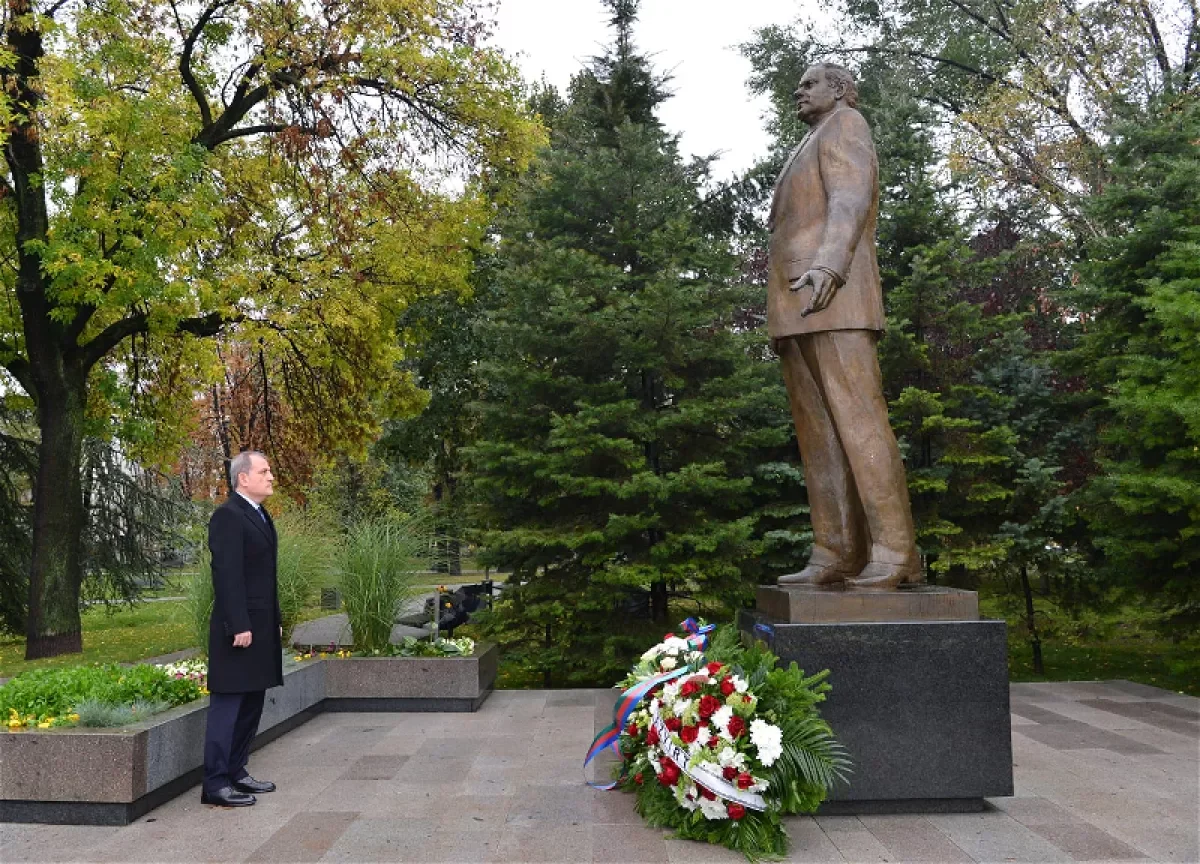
[825, 316]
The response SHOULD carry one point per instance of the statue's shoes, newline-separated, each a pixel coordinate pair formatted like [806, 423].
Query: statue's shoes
[880, 575]
[818, 574]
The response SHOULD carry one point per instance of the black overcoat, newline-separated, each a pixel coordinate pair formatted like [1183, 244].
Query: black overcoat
[244, 553]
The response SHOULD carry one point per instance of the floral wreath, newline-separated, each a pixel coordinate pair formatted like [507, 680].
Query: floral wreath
[718, 743]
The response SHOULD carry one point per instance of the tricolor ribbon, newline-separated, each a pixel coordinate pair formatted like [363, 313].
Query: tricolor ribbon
[697, 633]
[622, 711]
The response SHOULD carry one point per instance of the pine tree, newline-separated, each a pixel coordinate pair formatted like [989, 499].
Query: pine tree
[624, 414]
[1140, 296]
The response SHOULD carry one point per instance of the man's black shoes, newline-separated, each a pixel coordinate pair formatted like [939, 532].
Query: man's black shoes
[253, 787]
[227, 797]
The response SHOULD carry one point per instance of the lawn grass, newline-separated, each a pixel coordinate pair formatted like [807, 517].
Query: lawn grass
[1154, 661]
[1121, 643]
[122, 636]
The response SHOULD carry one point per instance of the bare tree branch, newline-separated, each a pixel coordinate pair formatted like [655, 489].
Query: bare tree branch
[1160, 51]
[189, 48]
[111, 336]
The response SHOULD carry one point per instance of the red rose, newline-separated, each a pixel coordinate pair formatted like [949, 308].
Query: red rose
[637, 778]
[665, 780]
[713, 668]
[735, 811]
[709, 705]
[631, 729]
[729, 772]
[674, 724]
[727, 687]
[746, 697]
[651, 736]
[671, 773]
[688, 689]
[669, 763]
[714, 743]
[705, 793]
[689, 734]
[745, 781]
[668, 636]
[736, 726]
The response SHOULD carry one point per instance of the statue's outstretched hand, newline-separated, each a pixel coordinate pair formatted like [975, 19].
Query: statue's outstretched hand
[824, 286]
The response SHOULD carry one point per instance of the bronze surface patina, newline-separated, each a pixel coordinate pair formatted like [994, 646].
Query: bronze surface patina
[825, 316]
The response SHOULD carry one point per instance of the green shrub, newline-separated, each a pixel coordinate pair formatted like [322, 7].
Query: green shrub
[307, 551]
[46, 693]
[100, 715]
[198, 602]
[377, 568]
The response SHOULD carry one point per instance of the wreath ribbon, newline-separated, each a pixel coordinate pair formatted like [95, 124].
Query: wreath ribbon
[622, 711]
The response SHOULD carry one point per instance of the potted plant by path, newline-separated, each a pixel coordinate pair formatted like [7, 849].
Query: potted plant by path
[378, 565]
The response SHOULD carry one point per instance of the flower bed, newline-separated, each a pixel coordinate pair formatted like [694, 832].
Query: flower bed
[399, 681]
[718, 743]
[51, 698]
[75, 775]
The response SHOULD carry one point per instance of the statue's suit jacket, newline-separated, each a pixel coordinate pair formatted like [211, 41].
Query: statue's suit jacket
[823, 214]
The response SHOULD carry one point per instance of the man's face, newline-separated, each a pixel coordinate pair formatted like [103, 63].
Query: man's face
[815, 96]
[257, 484]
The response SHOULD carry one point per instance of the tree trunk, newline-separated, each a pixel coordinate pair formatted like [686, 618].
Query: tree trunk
[56, 571]
[1031, 622]
[658, 601]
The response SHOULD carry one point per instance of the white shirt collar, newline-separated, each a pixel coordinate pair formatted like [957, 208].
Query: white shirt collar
[252, 503]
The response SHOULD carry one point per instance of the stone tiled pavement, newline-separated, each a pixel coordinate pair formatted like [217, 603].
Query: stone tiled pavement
[1104, 772]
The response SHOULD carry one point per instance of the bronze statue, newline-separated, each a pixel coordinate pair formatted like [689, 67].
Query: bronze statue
[825, 316]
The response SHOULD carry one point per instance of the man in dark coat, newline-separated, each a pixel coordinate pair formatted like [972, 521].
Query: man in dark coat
[245, 651]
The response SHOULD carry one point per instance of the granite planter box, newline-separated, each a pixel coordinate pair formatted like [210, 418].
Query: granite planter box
[411, 683]
[114, 776]
[77, 776]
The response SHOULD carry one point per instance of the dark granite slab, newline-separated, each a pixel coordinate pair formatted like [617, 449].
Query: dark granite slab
[922, 707]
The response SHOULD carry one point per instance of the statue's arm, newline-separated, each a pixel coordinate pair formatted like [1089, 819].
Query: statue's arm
[849, 173]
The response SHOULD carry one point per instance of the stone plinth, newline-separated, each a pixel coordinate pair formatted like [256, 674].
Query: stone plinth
[807, 605]
[921, 706]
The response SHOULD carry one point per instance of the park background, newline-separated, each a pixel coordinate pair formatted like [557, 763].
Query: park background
[517, 324]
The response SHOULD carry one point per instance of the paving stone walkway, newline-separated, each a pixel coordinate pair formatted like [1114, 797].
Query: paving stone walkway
[1104, 772]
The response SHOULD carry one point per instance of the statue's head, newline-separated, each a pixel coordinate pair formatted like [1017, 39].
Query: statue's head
[823, 88]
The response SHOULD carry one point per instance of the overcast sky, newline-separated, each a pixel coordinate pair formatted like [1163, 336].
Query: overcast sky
[695, 40]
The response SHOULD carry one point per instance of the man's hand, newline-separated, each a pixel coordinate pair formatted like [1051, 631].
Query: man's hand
[824, 286]
[242, 640]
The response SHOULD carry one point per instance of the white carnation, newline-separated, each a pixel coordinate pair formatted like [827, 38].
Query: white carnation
[720, 720]
[740, 684]
[714, 809]
[675, 645]
[703, 737]
[683, 706]
[768, 740]
[667, 663]
[726, 756]
[652, 652]
[671, 691]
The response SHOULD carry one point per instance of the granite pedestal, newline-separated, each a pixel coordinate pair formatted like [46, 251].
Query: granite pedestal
[920, 704]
